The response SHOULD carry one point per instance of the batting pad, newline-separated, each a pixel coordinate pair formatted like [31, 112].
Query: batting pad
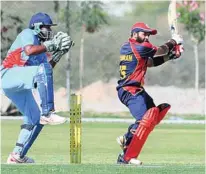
[146, 125]
[163, 108]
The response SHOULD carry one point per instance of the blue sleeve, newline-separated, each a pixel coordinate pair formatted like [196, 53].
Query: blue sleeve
[146, 50]
[125, 49]
[27, 37]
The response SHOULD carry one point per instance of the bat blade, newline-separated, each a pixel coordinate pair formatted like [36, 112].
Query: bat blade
[172, 17]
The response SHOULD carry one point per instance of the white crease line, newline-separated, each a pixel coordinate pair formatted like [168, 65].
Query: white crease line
[118, 120]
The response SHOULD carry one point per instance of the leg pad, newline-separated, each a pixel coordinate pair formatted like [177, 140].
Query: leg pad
[163, 108]
[146, 125]
[27, 136]
[44, 80]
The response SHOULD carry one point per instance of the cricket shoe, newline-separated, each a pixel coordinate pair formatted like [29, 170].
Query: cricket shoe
[121, 140]
[14, 158]
[133, 161]
[52, 119]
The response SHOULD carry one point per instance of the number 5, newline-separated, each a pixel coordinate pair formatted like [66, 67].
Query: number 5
[123, 69]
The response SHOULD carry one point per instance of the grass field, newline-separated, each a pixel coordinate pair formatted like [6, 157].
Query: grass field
[178, 149]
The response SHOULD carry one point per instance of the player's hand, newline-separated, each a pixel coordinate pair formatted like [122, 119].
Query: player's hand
[54, 44]
[66, 43]
[177, 38]
[176, 52]
[56, 56]
[63, 41]
[50, 45]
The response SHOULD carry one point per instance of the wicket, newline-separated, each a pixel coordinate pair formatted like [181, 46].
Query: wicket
[75, 129]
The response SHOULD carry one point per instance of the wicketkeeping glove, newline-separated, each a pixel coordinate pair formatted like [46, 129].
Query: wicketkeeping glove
[51, 45]
[56, 56]
[64, 41]
[54, 44]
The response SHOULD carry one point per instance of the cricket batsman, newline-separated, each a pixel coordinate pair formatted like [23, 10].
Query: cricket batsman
[26, 67]
[135, 56]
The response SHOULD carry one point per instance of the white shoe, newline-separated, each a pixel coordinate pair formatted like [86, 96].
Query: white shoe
[132, 161]
[15, 159]
[135, 161]
[121, 141]
[52, 119]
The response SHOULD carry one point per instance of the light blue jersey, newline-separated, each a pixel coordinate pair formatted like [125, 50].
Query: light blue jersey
[19, 74]
[16, 55]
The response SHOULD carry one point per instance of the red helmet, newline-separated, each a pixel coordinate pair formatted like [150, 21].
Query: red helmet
[140, 26]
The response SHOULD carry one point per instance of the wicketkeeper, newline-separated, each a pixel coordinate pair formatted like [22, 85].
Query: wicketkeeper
[135, 56]
[25, 67]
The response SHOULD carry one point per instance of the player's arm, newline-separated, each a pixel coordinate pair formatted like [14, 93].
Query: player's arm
[162, 54]
[34, 49]
[31, 49]
[169, 50]
[59, 45]
[37, 49]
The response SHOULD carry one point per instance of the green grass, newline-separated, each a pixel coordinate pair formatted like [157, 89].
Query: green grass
[177, 149]
[102, 169]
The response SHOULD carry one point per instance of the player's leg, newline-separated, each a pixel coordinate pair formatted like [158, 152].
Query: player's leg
[164, 107]
[44, 80]
[18, 78]
[138, 105]
[125, 97]
[125, 139]
[151, 118]
[21, 78]
[18, 89]
[141, 134]
[30, 129]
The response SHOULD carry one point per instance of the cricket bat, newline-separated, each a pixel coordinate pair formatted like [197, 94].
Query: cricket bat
[172, 17]
[172, 21]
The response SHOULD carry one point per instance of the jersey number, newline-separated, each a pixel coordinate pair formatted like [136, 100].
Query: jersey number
[123, 69]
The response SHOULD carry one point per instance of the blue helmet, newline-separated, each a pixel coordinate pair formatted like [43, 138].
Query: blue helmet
[37, 23]
[41, 18]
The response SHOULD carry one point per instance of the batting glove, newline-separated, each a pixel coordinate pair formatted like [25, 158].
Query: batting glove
[178, 39]
[176, 52]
